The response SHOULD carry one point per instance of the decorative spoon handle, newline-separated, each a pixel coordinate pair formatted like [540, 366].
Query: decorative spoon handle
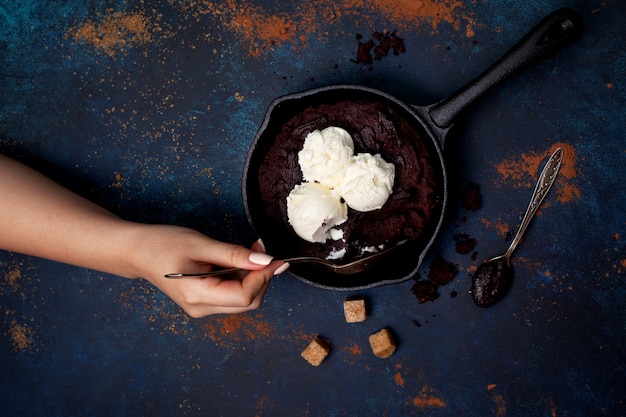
[544, 183]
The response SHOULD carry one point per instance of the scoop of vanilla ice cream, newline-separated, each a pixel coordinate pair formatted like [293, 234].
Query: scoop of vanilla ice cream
[324, 155]
[367, 182]
[313, 210]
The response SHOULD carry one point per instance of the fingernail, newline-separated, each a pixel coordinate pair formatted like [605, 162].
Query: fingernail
[260, 242]
[282, 268]
[260, 258]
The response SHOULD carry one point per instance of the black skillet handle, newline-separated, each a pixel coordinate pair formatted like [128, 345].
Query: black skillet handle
[555, 31]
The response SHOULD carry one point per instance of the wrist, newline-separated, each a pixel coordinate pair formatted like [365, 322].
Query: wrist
[136, 249]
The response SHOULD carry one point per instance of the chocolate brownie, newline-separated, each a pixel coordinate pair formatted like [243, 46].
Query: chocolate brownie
[375, 128]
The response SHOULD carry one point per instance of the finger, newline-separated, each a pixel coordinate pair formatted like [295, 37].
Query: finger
[231, 255]
[245, 292]
[201, 310]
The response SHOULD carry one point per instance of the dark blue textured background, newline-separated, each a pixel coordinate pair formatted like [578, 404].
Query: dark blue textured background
[156, 129]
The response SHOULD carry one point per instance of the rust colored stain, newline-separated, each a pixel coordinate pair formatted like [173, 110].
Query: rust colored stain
[523, 171]
[500, 410]
[430, 12]
[12, 278]
[399, 379]
[499, 225]
[238, 327]
[354, 354]
[22, 336]
[427, 398]
[552, 407]
[354, 349]
[260, 30]
[114, 32]
[498, 399]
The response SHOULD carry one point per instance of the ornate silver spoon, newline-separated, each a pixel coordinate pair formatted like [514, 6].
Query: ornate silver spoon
[493, 278]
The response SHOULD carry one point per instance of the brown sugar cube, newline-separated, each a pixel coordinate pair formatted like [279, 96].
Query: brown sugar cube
[382, 344]
[316, 351]
[354, 310]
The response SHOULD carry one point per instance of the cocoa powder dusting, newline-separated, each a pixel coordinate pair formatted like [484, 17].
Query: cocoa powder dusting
[431, 12]
[12, 278]
[428, 398]
[238, 327]
[398, 379]
[353, 355]
[21, 336]
[523, 171]
[262, 30]
[114, 32]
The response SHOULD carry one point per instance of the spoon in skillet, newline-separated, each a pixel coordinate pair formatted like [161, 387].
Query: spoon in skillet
[493, 278]
[353, 267]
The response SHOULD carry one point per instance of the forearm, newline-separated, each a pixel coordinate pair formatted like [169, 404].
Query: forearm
[41, 218]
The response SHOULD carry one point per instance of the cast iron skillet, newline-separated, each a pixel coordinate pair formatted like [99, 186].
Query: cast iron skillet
[432, 122]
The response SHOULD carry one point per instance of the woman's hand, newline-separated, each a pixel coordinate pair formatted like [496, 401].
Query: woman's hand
[167, 249]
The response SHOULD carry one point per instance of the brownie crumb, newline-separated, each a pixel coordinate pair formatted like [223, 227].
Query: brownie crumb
[424, 290]
[441, 271]
[363, 53]
[464, 244]
[472, 199]
[382, 43]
